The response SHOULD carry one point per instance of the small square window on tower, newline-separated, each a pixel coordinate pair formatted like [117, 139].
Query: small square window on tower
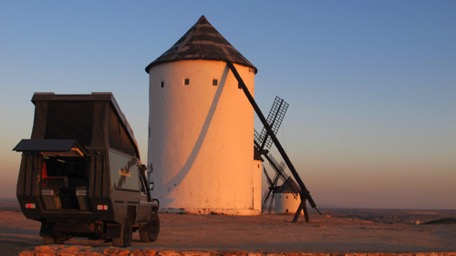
[186, 81]
[162, 84]
[214, 82]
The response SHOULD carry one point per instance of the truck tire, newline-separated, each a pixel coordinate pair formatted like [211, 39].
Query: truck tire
[56, 239]
[47, 239]
[59, 239]
[126, 234]
[149, 232]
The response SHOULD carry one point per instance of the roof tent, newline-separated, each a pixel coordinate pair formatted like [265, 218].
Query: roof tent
[93, 120]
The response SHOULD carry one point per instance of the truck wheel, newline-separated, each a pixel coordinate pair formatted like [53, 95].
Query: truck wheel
[126, 234]
[94, 236]
[59, 239]
[149, 231]
[48, 239]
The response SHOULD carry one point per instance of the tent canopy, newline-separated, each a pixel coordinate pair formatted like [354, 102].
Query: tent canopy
[90, 119]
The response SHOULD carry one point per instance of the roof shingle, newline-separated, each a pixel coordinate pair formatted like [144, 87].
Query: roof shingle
[202, 42]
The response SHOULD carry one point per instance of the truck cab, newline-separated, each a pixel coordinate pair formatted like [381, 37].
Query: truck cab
[81, 173]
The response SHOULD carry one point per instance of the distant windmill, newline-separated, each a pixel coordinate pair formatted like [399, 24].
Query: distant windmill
[263, 141]
[280, 174]
[304, 194]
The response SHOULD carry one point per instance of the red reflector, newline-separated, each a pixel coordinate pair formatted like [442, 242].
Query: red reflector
[30, 205]
[102, 207]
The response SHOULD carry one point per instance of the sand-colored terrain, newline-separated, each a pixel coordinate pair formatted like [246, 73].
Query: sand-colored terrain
[338, 230]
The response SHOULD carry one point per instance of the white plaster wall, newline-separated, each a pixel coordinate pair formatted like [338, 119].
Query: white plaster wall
[286, 203]
[201, 138]
[257, 184]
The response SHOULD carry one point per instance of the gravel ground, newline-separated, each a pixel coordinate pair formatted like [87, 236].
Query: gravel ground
[337, 230]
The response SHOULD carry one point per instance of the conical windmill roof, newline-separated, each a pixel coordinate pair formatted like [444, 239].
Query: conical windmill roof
[289, 186]
[202, 42]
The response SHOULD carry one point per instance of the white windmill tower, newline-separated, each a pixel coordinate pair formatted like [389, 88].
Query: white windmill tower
[200, 127]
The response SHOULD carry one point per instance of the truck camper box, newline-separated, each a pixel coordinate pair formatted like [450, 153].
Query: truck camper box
[81, 173]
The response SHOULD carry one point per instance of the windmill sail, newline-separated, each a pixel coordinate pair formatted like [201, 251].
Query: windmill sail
[304, 193]
[275, 118]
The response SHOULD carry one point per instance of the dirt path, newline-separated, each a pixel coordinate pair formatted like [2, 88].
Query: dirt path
[336, 231]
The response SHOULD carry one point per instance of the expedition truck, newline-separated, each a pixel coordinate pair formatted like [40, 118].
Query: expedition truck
[81, 175]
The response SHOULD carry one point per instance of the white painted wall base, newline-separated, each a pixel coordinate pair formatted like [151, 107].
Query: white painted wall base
[286, 203]
[208, 211]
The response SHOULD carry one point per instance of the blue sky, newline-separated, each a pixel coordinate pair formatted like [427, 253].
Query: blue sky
[371, 84]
